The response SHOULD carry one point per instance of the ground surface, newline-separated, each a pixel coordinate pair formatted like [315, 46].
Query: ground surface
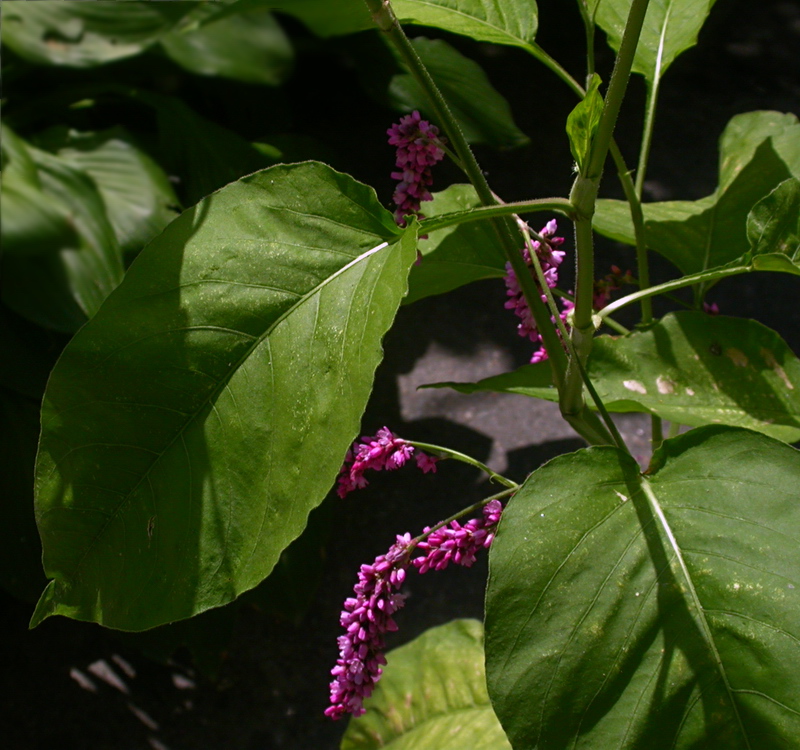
[56, 682]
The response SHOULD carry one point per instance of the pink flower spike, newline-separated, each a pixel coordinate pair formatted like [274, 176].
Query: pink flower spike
[419, 147]
[383, 452]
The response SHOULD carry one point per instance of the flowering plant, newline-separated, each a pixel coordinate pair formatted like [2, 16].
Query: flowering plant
[211, 393]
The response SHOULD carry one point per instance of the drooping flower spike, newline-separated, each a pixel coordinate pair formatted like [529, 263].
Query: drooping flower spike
[368, 615]
[419, 147]
[384, 451]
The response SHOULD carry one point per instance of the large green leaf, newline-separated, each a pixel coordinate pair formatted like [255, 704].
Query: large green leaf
[670, 27]
[651, 612]
[192, 424]
[689, 368]
[758, 151]
[432, 695]
[248, 46]
[138, 197]
[483, 114]
[84, 34]
[513, 23]
[61, 290]
[456, 255]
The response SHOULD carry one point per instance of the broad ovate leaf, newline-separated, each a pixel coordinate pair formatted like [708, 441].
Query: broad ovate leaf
[758, 151]
[670, 27]
[482, 112]
[458, 254]
[248, 46]
[85, 34]
[432, 696]
[512, 23]
[658, 611]
[192, 424]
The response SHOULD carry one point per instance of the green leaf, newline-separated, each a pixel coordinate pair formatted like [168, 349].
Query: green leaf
[138, 197]
[690, 368]
[650, 612]
[758, 151]
[249, 46]
[456, 255]
[582, 122]
[512, 23]
[483, 114]
[61, 290]
[192, 424]
[86, 34]
[670, 27]
[432, 695]
[696, 369]
[773, 229]
[33, 221]
[535, 381]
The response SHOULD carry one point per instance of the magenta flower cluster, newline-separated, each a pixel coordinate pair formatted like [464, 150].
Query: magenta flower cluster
[550, 258]
[419, 147]
[384, 451]
[457, 543]
[368, 615]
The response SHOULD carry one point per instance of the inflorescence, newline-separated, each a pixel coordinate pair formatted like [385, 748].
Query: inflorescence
[383, 451]
[550, 258]
[419, 147]
[368, 615]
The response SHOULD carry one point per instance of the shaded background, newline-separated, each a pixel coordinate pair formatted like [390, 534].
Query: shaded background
[272, 662]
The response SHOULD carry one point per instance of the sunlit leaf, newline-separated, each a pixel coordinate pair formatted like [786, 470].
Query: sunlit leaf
[670, 27]
[773, 229]
[192, 424]
[483, 114]
[432, 695]
[653, 612]
[513, 23]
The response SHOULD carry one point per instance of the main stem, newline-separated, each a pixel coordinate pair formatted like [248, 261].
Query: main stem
[584, 197]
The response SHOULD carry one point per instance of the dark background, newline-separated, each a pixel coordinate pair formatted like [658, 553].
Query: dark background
[271, 684]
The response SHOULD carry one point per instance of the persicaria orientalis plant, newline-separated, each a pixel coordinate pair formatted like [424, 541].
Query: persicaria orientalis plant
[211, 390]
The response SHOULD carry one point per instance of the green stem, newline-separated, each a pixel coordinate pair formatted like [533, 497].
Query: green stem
[559, 205]
[589, 27]
[583, 421]
[616, 89]
[656, 431]
[442, 452]
[669, 286]
[386, 21]
[553, 65]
